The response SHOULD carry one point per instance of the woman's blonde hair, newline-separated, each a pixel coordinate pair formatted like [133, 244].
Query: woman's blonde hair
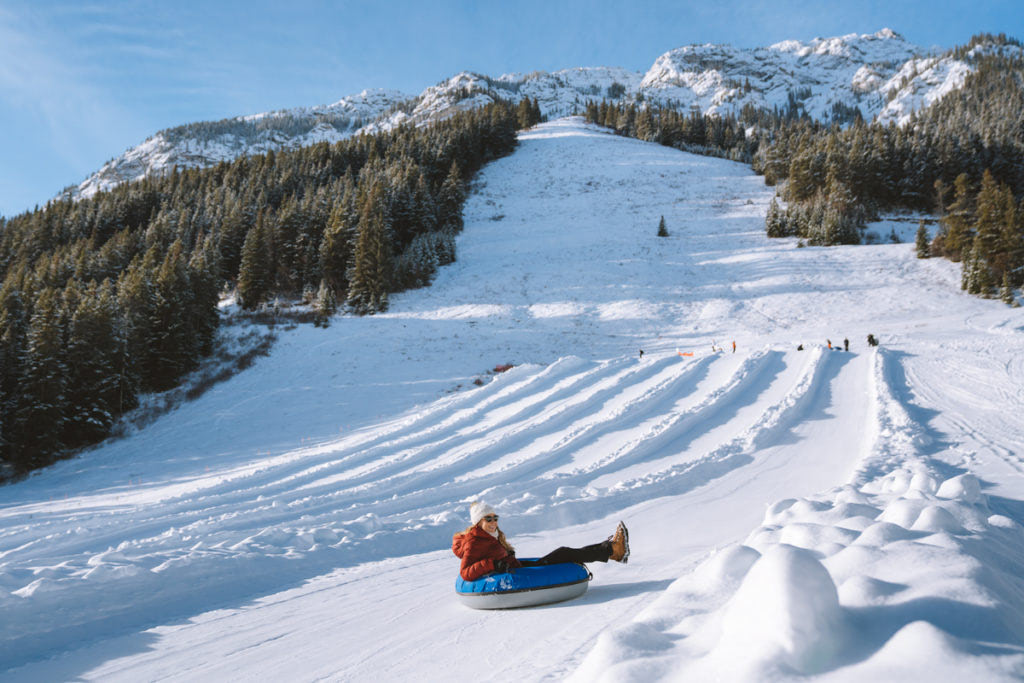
[501, 536]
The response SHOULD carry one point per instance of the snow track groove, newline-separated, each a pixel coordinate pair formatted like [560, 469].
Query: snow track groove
[566, 436]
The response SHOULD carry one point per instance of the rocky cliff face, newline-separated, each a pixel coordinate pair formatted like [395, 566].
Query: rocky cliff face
[853, 70]
[881, 74]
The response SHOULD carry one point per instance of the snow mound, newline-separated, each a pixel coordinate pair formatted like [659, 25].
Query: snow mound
[925, 583]
[785, 612]
[965, 487]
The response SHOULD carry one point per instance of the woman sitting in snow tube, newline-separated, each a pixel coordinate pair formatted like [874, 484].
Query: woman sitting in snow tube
[491, 577]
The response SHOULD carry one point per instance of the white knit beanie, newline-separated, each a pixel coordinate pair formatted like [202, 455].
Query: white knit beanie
[479, 509]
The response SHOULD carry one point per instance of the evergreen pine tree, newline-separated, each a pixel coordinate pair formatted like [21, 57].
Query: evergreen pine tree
[254, 274]
[848, 230]
[203, 279]
[662, 230]
[921, 240]
[979, 280]
[645, 125]
[370, 281]
[802, 181]
[966, 274]
[336, 251]
[424, 206]
[337, 248]
[535, 114]
[775, 225]
[136, 296]
[1011, 238]
[830, 228]
[14, 323]
[401, 215]
[983, 278]
[233, 229]
[316, 210]
[93, 390]
[443, 244]
[41, 412]
[450, 200]
[988, 217]
[171, 349]
[625, 124]
[957, 235]
[416, 266]
[284, 231]
[1006, 291]
[616, 90]
[325, 304]
[524, 114]
[7, 469]
[126, 376]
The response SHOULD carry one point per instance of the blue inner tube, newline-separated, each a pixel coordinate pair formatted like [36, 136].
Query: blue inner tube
[524, 586]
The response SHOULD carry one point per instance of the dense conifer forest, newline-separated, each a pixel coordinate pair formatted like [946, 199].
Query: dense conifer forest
[961, 159]
[115, 295]
[721, 136]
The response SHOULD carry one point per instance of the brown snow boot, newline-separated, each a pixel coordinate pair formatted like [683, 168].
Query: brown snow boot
[620, 544]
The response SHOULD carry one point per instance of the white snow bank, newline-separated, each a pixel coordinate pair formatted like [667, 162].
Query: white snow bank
[930, 589]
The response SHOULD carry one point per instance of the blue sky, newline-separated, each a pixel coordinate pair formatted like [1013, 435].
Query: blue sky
[83, 80]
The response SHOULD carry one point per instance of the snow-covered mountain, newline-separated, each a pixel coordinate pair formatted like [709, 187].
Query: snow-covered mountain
[876, 73]
[198, 145]
[881, 74]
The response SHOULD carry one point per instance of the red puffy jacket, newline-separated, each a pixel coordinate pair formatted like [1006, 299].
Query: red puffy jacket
[479, 551]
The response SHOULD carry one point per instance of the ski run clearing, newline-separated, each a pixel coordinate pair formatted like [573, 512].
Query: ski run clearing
[815, 513]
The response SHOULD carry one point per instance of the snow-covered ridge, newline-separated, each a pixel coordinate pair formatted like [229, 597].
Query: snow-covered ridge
[853, 70]
[881, 74]
[203, 144]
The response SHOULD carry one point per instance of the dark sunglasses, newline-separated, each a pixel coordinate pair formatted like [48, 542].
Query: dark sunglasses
[491, 518]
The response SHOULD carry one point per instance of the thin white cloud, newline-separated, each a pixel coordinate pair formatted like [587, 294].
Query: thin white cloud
[40, 81]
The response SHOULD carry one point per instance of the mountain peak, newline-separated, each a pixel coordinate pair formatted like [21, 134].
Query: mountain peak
[881, 74]
[885, 45]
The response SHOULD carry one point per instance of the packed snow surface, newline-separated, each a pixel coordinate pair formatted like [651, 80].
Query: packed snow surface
[842, 515]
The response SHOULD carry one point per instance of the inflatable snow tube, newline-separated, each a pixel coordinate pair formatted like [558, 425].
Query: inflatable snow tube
[525, 586]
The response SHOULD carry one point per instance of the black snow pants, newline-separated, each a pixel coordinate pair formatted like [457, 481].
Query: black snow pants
[598, 552]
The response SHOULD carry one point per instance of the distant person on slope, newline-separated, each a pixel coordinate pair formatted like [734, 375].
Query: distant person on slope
[483, 548]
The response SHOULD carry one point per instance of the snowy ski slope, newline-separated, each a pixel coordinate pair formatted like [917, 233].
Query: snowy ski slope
[852, 516]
